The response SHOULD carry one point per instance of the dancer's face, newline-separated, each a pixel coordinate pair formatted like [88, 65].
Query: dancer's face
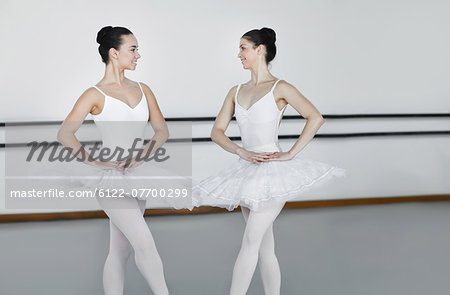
[249, 55]
[127, 55]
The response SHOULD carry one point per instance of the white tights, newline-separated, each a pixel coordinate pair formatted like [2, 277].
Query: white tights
[129, 231]
[258, 244]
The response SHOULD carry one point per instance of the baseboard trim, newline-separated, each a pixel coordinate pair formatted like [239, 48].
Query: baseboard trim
[22, 217]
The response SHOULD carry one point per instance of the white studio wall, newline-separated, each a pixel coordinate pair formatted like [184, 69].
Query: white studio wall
[345, 56]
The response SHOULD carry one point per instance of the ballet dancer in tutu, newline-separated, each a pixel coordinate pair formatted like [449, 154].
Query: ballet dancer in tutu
[121, 108]
[264, 177]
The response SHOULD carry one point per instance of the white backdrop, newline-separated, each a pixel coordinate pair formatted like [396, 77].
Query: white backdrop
[348, 56]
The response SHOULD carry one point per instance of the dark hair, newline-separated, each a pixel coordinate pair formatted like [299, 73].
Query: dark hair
[266, 37]
[110, 37]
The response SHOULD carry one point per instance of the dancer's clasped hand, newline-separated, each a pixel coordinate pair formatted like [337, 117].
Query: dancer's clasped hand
[252, 156]
[128, 166]
[125, 167]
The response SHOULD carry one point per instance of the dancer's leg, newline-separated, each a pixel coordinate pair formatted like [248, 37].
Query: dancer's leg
[119, 252]
[268, 262]
[132, 225]
[257, 225]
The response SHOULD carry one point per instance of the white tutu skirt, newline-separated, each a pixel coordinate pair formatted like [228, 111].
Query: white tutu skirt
[255, 186]
[161, 186]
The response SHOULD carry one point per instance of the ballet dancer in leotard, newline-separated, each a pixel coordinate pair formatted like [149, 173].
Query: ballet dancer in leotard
[117, 98]
[264, 177]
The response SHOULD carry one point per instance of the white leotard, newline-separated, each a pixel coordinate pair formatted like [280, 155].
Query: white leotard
[120, 124]
[259, 123]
